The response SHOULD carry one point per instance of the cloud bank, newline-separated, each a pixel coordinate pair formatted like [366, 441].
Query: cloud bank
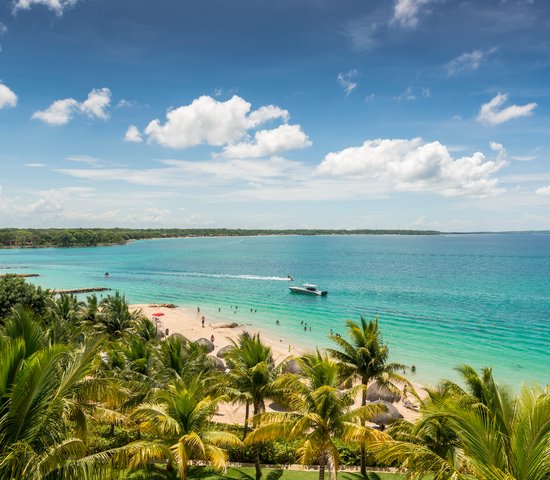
[376, 168]
[544, 191]
[413, 165]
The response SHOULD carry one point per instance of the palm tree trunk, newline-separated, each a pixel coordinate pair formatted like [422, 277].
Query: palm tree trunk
[363, 449]
[322, 464]
[246, 415]
[257, 465]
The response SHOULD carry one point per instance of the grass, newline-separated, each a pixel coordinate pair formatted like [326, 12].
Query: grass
[248, 473]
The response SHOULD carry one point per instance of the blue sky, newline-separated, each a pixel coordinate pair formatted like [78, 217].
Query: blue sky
[429, 114]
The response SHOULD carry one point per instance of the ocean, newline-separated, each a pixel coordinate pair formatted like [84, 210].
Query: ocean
[441, 301]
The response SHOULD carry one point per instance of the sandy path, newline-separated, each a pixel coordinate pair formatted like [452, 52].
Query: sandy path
[187, 322]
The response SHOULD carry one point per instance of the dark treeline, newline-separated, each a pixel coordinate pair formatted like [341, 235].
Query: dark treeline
[82, 237]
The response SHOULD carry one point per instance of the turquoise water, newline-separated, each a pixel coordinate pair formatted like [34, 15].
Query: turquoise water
[442, 301]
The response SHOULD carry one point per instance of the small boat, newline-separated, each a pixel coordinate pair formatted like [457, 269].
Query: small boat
[308, 289]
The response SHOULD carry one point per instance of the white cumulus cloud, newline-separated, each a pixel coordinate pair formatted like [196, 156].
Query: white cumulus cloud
[494, 112]
[407, 12]
[413, 165]
[58, 113]
[270, 142]
[56, 5]
[61, 112]
[345, 80]
[133, 135]
[211, 122]
[7, 97]
[97, 103]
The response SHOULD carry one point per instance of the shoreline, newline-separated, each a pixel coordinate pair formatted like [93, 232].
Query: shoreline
[186, 320]
[298, 233]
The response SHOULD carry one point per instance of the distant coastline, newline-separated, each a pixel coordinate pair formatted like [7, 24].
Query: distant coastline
[96, 237]
[101, 237]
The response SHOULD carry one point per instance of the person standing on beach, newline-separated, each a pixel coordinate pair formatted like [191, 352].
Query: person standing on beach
[212, 338]
[202, 320]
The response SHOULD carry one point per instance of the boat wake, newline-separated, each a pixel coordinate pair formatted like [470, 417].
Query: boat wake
[242, 277]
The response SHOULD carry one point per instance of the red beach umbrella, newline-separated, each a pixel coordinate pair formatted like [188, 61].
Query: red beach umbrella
[158, 314]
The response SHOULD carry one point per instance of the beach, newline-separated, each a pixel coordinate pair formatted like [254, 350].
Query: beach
[441, 301]
[187, 321]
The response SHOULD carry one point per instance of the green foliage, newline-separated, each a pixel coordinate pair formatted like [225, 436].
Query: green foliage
[79, 237]
[15, 291]
[105, 438]
[115, 319]
[320, 412]
[87, 390]
[481, 431]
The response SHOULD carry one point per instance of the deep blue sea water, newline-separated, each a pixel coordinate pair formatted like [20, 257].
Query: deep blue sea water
[441, 300]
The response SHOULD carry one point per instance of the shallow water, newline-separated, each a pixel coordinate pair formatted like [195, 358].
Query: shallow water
[441, 300]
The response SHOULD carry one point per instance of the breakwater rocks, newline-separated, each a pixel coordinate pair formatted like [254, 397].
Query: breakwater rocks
[81, 290]
[225, 325]
[20, 275]
[162, 305]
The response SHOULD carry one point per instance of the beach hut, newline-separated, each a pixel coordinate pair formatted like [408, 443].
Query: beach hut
[292, 366]
[178, 335]
[224, 351]
[377, 391]
[206, 344]
[218, 363]
[389, 416]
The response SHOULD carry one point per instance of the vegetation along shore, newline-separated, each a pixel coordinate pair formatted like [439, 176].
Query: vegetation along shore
[84, 237]
[117, 392]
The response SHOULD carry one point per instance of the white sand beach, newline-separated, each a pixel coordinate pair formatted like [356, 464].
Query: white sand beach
[187, 321]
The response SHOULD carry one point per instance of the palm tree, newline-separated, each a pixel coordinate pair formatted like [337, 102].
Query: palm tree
[115, 318]
[181, 416]
[182, 359]
[47, 398]
[146, 330]
[492, 434]
[91, 309]
[63, 318]
[251, 377]
[320, 413]
[24, 324]
[365, 357]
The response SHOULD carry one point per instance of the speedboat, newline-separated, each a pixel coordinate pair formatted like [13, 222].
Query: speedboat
[308, 289]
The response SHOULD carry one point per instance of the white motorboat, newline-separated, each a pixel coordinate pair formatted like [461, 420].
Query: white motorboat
[308, 289]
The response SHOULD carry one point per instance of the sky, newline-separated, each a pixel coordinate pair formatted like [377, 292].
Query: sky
[399, 114]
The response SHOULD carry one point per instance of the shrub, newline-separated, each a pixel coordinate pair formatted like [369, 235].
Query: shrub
[15, 291]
